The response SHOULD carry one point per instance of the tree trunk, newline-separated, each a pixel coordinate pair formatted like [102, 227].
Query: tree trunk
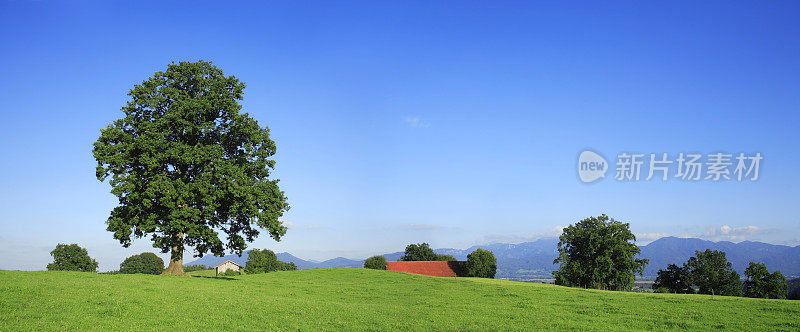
[176, 260]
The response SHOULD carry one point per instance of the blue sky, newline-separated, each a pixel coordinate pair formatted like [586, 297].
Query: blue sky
[454, 123]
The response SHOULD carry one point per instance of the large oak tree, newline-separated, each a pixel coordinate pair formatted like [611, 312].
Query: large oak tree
[187, 166]
[598, 252]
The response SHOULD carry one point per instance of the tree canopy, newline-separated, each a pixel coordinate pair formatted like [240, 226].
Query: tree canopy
[423, 252]
[375, 262]
[713, 274]
[598, 252]
[418, 252]
[187, 165]
[263, 261]
[481, 263]
[71, 258]
[762, 284]
[147, 263]
[675, 279]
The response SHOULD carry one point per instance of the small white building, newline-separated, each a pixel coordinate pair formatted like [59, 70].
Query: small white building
[228, 265]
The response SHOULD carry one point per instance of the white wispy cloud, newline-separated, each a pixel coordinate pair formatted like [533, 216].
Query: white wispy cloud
[291, 225]
[728, 233]
[415, 122]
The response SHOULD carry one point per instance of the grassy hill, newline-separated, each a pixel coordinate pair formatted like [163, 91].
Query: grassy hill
[358, 299]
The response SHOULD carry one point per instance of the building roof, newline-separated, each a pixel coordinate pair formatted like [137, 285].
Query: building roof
[430, 268]
[232, 262]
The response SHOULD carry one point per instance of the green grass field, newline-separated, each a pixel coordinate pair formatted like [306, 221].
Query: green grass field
[350, 299]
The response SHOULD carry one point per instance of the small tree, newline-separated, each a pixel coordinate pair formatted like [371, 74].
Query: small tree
[71, 258]
[375, 262]
[289, 266]
[147, 263]
[598, 252]
[674, 279]
[263, 261]
[713, 274]
[419, 252]
[481, 263]
[762, 284]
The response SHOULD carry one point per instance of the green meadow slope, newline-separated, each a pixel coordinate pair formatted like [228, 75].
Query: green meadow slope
[358, 299]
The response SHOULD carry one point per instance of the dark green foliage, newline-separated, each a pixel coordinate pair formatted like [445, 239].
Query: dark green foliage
[713, 274]
[230, 273]
[449, 258]
[598, 252]
[423, 252]
[674, 279]
[794, 295]
[794, 289]
[147, 263]
[418, 252]
[191, 268]
[71, 258]
[185, 164]
[263, 261]
[375, 263]
[661, 290]
[481, 263]
[762, 284]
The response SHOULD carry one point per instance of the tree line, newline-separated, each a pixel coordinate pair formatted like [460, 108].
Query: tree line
[72, 257]
[600, 252]
[711, 273]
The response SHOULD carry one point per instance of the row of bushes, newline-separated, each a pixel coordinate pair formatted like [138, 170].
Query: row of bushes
[71, 257]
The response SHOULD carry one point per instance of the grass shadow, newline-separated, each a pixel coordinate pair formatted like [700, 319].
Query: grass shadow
[220, 278]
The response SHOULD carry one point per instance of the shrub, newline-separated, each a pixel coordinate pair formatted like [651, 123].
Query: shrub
[191, 268]
[71, 258]
[375, 262]
[481, 263]
[661, 290]
[229, 273]
[147, 263]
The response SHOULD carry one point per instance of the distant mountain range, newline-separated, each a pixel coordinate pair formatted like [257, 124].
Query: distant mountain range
[531, 260]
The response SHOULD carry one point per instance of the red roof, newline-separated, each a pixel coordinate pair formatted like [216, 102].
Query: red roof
[429, 268]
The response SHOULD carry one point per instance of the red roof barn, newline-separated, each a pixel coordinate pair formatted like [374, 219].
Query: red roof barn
[428, 268]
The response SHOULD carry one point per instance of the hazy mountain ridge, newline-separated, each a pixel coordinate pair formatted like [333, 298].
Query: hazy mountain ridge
[535, 259]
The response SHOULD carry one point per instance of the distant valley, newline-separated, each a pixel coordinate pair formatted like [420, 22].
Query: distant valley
[532, 260]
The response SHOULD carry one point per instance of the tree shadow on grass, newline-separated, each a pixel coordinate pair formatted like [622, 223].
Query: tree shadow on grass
[220, 278]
